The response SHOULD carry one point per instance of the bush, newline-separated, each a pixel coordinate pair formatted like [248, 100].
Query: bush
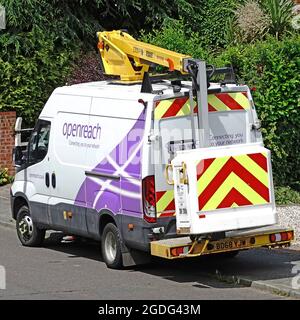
[87, 68]
[286, 195]
[203, 25]
[252, 22]
[43, 38]
[30, 68]
[5, 178]
[273, 67]
[36, 53]
[280, 13]
[177, 36]
[254, 19]
[212, 21]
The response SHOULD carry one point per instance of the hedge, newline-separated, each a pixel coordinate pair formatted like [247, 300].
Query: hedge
[30, 68]
[273, 67]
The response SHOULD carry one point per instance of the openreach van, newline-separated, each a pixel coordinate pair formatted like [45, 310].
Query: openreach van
[167, 165]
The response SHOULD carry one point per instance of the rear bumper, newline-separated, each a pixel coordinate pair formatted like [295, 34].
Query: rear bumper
[232, 242]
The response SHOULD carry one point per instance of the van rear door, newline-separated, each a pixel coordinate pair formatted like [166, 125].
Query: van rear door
[230, 117]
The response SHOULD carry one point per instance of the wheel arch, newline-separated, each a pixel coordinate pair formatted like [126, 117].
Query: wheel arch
[19, 201]
[105, 217]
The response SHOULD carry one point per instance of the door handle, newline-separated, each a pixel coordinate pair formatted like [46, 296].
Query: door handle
[167, 174]
[53, 180]
[47, 179]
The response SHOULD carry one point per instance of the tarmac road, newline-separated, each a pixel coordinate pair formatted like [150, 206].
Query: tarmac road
[76, 271]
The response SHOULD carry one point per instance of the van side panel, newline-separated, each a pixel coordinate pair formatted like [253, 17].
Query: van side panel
[113, 177]
[67, 155]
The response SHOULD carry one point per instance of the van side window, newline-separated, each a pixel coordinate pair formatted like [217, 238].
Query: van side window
[39, 140]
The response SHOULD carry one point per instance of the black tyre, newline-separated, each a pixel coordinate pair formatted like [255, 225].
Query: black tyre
[111, 244]
[28, 233]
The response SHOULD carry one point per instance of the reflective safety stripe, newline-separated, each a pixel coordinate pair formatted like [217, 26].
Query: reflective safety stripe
[241, 98]
[162, 107]
[165, 204]
[254, 168]
[208, 174]
[216, 102]
[232, 181]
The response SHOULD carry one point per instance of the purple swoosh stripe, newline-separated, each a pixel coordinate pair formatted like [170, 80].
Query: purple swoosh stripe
[109, 199]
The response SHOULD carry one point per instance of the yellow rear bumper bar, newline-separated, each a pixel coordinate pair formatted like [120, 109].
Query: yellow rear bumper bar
[185, 248]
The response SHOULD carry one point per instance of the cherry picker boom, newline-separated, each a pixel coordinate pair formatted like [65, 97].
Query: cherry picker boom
[129, 59]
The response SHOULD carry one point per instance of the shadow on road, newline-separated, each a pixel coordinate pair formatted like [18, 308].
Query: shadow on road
[79, 248]
[257, 264]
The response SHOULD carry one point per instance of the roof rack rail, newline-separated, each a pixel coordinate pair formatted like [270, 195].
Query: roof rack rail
[176, 77]
[230, 77]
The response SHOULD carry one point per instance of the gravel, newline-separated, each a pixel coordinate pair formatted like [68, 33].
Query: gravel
[289, 216]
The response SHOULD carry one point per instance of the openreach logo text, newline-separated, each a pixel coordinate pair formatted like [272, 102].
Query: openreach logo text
[2, 278]
[2, 17]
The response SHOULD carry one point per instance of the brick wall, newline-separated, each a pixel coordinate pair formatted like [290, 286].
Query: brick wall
[7, 140]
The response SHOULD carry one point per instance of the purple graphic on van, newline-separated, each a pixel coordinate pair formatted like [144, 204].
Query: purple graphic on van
[123, 192]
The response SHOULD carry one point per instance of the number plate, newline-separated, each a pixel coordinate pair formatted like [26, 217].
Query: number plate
[230, 244]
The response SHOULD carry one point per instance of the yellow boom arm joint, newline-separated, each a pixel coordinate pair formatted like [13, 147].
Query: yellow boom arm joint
[129, 59]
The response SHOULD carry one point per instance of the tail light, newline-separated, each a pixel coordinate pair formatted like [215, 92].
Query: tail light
[149, 199]
[180, 250]
[283, 236]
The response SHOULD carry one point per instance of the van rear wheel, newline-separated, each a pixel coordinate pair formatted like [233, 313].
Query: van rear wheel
[28, 233]
[111, 246]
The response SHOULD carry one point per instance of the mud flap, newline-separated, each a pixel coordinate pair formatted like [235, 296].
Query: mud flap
[135, 257]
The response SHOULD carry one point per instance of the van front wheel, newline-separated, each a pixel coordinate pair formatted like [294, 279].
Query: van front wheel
[111, 246]
[28, 233]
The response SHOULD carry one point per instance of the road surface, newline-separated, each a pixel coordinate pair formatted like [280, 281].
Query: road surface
[76, 271]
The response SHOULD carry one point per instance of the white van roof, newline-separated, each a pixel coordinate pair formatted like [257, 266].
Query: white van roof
[118, 91]
[110, 89]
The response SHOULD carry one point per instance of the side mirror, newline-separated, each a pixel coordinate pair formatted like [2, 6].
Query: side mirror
[18, 157]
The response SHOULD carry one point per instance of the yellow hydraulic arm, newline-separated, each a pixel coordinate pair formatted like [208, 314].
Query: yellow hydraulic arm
[128, 58]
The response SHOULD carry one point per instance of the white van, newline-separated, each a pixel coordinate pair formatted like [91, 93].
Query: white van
[96, 162]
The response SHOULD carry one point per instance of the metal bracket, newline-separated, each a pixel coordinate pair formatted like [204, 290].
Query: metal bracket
[169, 181]
[183, 174]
